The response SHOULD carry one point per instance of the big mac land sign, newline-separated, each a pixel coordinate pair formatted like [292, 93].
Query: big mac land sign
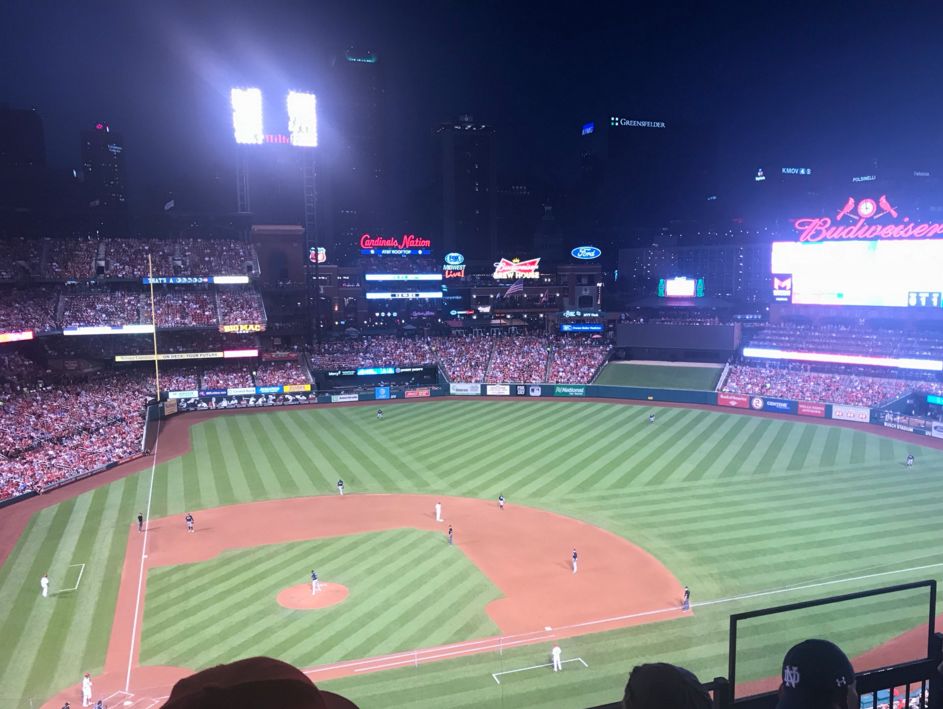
[865, 219]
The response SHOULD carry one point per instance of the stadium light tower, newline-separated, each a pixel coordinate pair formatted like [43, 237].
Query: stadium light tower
[302, 125]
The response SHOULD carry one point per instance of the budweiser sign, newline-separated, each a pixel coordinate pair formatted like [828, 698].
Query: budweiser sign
[406, 241]
[517, 268]
[863, 223]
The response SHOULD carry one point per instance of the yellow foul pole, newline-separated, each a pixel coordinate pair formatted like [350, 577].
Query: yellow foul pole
[150, 273]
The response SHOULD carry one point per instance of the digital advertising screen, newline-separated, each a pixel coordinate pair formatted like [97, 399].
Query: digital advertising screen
[863, 273]
[681, 287]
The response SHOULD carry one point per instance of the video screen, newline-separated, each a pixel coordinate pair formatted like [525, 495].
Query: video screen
[681, 287]
[871, 273]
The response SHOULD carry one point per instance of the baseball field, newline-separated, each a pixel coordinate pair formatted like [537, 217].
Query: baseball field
[748, 511]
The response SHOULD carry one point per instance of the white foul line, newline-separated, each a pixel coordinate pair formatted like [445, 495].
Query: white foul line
[137, 601]
[535, 667]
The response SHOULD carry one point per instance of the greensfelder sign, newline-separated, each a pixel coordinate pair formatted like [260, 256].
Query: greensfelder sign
[565, 390]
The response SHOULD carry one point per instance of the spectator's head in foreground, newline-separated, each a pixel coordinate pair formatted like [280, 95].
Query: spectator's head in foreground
[817, 675]
[254, 682]
[663, 686]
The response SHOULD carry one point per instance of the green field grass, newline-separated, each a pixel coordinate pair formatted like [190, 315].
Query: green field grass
[628, 374]
[732, 504]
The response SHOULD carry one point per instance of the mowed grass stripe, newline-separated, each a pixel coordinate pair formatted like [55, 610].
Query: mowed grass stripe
[354, 476]
[777, 448]
[235, 459]
[755, 448]
[406, 467]
[262, 483]
[229, 466]
[677, 455]
[294, 452]
[298, 439]
[595, 459]
[699, 465]
[376, 464]
[546, 471]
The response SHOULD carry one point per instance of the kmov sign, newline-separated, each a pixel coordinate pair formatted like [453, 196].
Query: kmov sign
[864, 215]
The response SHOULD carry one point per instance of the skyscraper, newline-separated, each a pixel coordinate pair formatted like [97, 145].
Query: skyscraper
[467, 172]
[355, 158]
[22, 167]
[103, 178]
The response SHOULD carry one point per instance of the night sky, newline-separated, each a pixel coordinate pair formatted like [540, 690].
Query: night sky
[806, 83]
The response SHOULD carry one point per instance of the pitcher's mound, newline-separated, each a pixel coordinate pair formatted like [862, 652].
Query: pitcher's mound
[300, 597]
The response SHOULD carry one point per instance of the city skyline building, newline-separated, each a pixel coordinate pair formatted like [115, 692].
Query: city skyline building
[467, 173]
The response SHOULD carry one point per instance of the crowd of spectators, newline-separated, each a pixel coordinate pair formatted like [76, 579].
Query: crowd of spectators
[177, 308]
[214, 257]
[104, 308]
[851, 338]
[19, 257]
[373, 352]
[240, 306]
[127, 258]
[285, 372]
[27, 310]
[519, 359]
[575, 360]
[463, 358]
[800, 383]
[49, 433]
[70, 259]
[228, 376]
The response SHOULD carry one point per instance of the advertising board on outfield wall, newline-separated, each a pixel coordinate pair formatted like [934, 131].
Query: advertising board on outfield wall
[738, 401]
[809, 408]
[498, 390]
[569, 390]
[380, 393]
[421, 393]
[460, 389]
[861, 414]
[340, 398]
[936, 429]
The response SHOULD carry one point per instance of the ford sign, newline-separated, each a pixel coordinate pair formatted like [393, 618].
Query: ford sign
[454, 259]
[585, 253]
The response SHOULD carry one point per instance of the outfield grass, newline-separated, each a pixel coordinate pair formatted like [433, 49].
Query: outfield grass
[628, 374]
[731, 504]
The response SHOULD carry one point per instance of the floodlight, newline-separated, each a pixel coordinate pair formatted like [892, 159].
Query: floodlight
[302, 119]
[247, 116]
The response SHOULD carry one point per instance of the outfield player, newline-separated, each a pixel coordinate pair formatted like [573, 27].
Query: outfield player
[315, 584]
[651, 418]
[556, 653]
[140, 522]
[500, 502]
[686, 599]
[379, 413]
[450, 535]
[86, 690]
[44, 582]
[340, 487]
[573, 558]
[438, 511]
[910, 460]
[189, 519]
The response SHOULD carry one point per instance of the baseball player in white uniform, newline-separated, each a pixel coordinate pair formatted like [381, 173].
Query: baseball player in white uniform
[315, 584]
[438, 511]
[86, 690]
[557, 653]
[44, 582]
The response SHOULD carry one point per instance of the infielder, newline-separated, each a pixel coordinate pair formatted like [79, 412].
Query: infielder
[86, 690]
[686, 599]
[500, 502]
[450, 535]
[44, 582]
[315, 584]
[140, 522]
[438, 511]
[573, 558]
[189, 519]
[340, 487]
[556, 654]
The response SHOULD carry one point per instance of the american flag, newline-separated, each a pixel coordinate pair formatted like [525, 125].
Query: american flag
[516, 287]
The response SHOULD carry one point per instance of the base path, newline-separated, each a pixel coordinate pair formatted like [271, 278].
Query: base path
[524, 552]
